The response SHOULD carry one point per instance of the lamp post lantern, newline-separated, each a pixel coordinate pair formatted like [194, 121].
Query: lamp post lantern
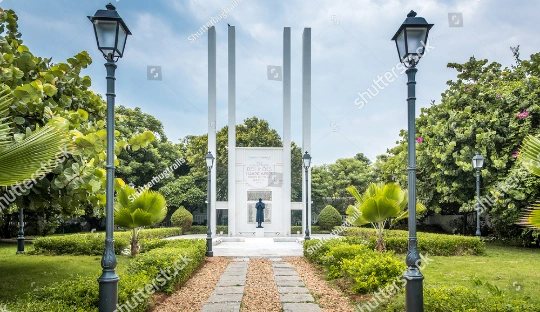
[306, 161]
[111, 33]
[478, 163]
[209, 164]
[411, 39]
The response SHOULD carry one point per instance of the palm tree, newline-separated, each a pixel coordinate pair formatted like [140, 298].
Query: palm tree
[529, 156]
[381, 205]
[35, 153]
[134, 210]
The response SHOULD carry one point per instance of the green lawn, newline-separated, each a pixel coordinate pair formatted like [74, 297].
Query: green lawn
[20, 274]
[510, 271]
[514, 270]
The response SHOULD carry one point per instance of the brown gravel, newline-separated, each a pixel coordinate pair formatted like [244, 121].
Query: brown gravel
[194, 293]
[328, 296]
[260, 292]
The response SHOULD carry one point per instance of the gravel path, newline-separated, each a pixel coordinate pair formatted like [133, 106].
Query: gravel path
[328, 296]
[194, 293]
[260, 292]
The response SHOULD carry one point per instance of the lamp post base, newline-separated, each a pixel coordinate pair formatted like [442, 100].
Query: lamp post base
[209, 252]
[108, 290]
[414, 296]
[20, 245]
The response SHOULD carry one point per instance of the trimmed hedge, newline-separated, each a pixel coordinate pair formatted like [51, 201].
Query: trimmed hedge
[144, 272]
[93, 244]
[428, 243]
[315, 229]
[201, 229]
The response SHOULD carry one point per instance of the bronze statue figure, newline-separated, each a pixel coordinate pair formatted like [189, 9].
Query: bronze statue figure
[260, 213]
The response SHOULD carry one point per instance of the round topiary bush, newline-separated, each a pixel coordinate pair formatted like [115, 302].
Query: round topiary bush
[329, 217]
[182, 218]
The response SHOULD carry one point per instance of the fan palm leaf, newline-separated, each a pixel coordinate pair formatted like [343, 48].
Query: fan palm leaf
[33, 156]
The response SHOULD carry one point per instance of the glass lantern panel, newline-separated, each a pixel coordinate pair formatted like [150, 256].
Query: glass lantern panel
[122, 36]
[401, 45]
[106, 34]
[415, 37]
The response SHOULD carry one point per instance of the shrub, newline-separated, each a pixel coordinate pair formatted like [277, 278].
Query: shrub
[372, 270]
[428, 243]
[180, 257]
[93, 244]
[315, 249]
[198, 229]
[182, 218]
[315, 229]
[333, 259]
[329, 217]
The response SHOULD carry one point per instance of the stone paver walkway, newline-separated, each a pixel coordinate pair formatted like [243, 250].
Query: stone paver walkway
[294, 295]
[229, 291]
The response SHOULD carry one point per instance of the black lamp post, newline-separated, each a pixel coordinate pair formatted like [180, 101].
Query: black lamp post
[306, 161]
[410, 40]
[111, 34]
[20, 238]
[209, 164]
[478, 163]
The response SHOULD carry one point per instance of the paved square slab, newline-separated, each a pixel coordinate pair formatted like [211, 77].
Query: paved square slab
[296, 298]
[290, 272]
[290, 283]
[287, 278]
[225, 298]
[231, 282]
[292, 290]
[221, 307]
[301, 307]
[228, 290]
[282, 265]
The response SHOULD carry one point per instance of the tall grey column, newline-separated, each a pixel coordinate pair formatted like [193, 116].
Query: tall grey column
[212, 96]
[232, 131]
[287, 129]
[306, 115]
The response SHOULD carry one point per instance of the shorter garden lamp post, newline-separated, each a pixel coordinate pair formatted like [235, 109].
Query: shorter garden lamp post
[478, 163]
[111, 34]
[209, 164]
[306, 161]
[20, 238]
[411, 39]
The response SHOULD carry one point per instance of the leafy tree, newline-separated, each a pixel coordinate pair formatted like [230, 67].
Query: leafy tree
[43, 91]
[381, 205]
[488, 109]
[139, 165]
[329, 182]
[134, 210]
[529, 156]
[184, 192]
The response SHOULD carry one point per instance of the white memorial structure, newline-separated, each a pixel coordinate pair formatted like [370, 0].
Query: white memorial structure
[259, 172]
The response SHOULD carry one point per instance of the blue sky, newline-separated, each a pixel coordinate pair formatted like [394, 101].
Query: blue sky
[351, 47]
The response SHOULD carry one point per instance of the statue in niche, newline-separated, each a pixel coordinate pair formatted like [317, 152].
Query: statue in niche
[260, 213]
